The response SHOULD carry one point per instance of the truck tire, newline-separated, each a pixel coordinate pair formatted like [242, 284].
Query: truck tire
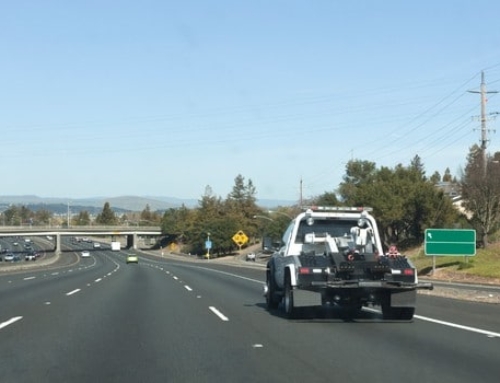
[272, 300]
[290, 309]
[405, 313]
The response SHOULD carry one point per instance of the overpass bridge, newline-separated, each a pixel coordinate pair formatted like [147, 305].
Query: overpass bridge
[131, 233]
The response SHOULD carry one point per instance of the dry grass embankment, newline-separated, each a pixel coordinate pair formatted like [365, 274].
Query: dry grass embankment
[484, 267]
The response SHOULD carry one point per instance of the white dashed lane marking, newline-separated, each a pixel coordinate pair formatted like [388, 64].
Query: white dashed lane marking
[9, 322]
[72, 292]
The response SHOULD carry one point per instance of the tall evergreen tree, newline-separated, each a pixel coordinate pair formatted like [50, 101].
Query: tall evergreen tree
[107, 216]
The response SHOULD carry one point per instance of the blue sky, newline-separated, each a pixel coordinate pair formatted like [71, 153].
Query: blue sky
[162, 98]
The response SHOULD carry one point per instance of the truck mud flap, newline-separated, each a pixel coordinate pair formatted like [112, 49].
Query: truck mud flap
[305, 298]
[403, 298]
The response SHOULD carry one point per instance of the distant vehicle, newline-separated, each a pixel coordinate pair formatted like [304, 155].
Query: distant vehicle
[132, 258]
[11, 258]
[30, 257]
[50, 238]
[251, 257]
[115, 246]
[85, 254]
[97, 245]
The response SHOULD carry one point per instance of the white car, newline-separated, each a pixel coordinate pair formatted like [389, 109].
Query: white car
[85, 254]
[97, 245]
[251, 257]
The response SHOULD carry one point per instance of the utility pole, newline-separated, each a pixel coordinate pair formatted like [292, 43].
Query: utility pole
[484, 131]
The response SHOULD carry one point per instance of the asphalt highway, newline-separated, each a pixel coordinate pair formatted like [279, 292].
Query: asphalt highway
[165, 320]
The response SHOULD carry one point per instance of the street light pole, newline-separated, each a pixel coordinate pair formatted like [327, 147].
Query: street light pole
[263, 217]
[281, 213]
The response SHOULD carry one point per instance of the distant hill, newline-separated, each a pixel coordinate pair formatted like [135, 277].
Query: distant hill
[120, 204]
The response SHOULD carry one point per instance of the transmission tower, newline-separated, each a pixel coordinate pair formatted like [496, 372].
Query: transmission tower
[484, 131]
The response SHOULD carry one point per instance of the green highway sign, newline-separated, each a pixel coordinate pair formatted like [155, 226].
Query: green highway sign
[450, 242]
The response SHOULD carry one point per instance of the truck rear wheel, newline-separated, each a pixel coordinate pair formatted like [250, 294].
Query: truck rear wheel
[290, 310]
[272, 301]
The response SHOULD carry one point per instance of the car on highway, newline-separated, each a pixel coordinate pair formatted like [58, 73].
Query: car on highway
[30, 256]
[11, 258]
[97, 245]
[132, 258]
[251, 257]
[85, 254]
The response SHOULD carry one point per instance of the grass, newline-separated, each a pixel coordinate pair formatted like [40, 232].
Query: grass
[485, 264]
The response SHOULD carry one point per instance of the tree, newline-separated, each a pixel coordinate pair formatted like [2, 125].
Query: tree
[240, 206]
[358, 173]
[107, 216]
[82, 219]
[404, 201]
[242, 197]
[447, 176]
[435, 178]
[43, 217]
[327, 199]
[12, 216]
[481, 192]
[148, 217]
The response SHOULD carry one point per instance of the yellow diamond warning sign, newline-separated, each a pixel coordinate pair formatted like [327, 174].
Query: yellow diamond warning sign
[240, 238]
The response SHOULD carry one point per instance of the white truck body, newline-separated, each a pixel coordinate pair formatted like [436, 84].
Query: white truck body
[115, 246]
[333, 256]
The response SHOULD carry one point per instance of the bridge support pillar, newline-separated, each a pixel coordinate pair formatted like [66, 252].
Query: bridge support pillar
[132, 241]
[58, 244]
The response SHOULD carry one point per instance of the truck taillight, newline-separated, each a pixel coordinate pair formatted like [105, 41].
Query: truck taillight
[408, 272]
[311, 270]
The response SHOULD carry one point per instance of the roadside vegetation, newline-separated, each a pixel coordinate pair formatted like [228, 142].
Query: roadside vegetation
[405, 202]
[485, 264]
[404, 199]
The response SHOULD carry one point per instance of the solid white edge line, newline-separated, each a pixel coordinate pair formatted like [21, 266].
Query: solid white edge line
[467, 328]
[219, 314]
[459, 326]
[9, 322]
[449, 324]
[72, 292]
[28, 278]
